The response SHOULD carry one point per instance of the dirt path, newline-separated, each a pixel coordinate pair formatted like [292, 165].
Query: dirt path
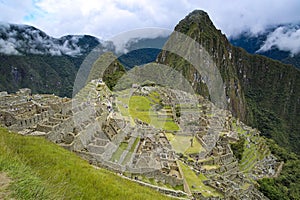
[278, 170]
[4, 183]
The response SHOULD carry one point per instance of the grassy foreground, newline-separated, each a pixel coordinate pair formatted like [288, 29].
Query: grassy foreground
[42, 170]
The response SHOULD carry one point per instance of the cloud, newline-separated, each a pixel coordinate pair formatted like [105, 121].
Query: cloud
[123, 42]
[8, 48]
[106, 18]
[103, 19]
[284, 39]
[20, 39]
[235, 16]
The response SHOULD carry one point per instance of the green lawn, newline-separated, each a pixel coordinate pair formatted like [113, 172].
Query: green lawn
[140, 107]
[196, 148]
[196, 181]
[117, 154]
[131, 151]
[182, 143]
[160, 184]
[42, 170]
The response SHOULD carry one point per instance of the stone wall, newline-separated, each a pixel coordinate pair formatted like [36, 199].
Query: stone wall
[7, 119]
[175, 193]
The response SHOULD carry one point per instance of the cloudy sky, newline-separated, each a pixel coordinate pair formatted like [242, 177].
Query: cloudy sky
[106, 18]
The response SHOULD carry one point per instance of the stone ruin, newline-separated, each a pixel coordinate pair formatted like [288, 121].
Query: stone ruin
[91, 126]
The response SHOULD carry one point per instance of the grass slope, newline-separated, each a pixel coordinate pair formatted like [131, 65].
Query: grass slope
[141, 107]
[196, 182]
[42, 170]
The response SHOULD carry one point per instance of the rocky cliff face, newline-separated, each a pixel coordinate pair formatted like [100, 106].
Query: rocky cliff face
[198, 26]
[262, 92]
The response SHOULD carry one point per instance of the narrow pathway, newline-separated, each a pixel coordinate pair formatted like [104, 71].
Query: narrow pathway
[4, 183]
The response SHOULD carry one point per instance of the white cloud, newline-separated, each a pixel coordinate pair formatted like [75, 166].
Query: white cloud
[8, 48]
[106, 18]
[235, 16]
[23, 39]
[284, 39]
[123, 41]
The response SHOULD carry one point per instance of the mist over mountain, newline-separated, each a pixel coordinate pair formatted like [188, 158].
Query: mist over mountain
[142, 51]
[23, 39]
[31, 58]
[279, 42]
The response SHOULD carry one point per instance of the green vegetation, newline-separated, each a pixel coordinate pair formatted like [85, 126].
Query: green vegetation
[42, 170]
[268, 99]
[196, 148]
[249, 149]
[112, 79]
[131, 151]
[152, 181]
[287, 184]
[196, 182]
[238, 148]
[180, 143]
[271, 106]
[263, 93]
[139, 107]
[137, 140]
[142, 108]
[41, 73]
[117, 154]
[253, 150]
[107, 67]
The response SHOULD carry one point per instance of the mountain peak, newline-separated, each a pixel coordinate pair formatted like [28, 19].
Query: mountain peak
[197, 14]
[197, 18]
[254, 85]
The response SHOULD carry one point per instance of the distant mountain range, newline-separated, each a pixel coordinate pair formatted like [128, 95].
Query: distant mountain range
[279, 42]
[31, 58]
[23, 39]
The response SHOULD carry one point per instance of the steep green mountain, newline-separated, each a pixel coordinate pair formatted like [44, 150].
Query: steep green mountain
[253, 43]
[41, 73]
[262, 92]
